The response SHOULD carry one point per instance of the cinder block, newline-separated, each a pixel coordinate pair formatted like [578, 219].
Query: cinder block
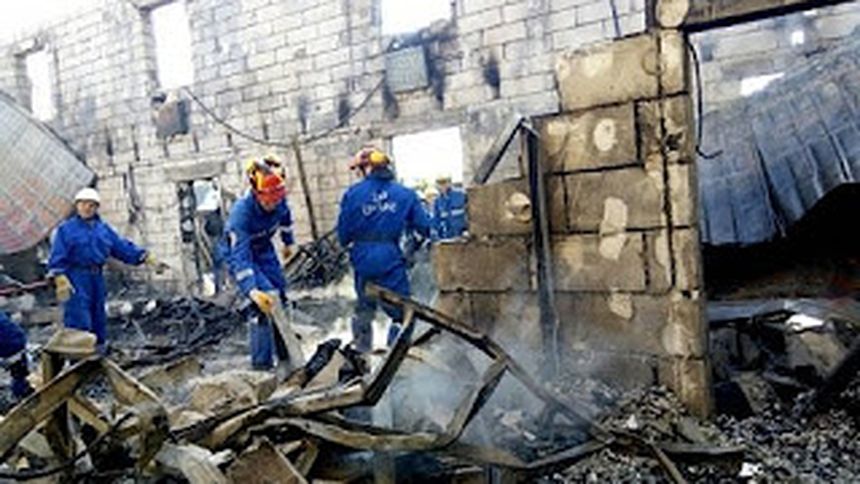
[593, 262]
[690, 379]
[680, 133]
[623, 70]
[512, 318]
[620, 322]
[688, 259]
[591, 139]
[675, 63]
[502, 208]
[619, 71]
[456, 305]
[626, 198]
[684, 332]
[482, 265]
[659, 260]
[684, 194]
[620, 370]
[557, 204]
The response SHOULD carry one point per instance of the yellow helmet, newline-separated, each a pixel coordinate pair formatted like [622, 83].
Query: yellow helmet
[369, 156]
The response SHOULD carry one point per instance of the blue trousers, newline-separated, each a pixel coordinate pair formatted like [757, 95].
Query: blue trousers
[85, 310]
[396, 280]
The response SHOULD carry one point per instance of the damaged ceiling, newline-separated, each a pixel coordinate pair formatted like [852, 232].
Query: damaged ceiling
[40, 176]
[779, 152]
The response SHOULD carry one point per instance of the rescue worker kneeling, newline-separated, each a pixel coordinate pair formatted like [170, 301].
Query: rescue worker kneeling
[80, 249]
[374, 215]
[253, 261]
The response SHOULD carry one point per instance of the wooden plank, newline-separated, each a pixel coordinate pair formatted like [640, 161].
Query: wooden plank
[191, 462]
[37, 407]
[89, 414]
[284, 330]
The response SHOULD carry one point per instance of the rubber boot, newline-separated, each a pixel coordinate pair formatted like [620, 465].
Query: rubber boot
[362, 332]
[262, 341]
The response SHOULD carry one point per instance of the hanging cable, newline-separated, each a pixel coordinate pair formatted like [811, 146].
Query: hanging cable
[615, 21]
[284, 144]
[699, 103]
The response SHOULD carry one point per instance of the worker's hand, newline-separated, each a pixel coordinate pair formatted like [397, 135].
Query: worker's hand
[287, 252]
[153, 263]
[265, 302]
[64, 288]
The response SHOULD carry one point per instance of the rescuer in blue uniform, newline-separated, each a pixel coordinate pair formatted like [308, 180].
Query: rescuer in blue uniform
[374, 214]
[254, 264]
[81, 247]
[13, 341]
[449, 210]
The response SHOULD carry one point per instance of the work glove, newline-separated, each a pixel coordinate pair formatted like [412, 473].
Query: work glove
[286, 253]
[64, 288]
[265, 302]
[153, 263]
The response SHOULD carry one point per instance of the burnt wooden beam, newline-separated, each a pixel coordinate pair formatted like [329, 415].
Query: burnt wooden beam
[37, 407]
[709, 14]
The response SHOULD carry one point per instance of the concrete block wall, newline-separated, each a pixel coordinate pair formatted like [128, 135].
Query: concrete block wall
[284, 69]
[730, 55]
[625, 247]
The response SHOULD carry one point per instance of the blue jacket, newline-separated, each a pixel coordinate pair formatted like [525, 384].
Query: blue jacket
[449, 214]
[249, 240]
[374, 214]
[87, 244]
[12, 337]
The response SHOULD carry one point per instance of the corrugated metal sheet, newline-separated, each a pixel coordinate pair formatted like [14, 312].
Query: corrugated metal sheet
[782, 150]
[39, 176]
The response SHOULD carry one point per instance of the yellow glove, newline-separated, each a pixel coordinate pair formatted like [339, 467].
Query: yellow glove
[265, 302]
[287, 252]
[64, 288]
[152, 262]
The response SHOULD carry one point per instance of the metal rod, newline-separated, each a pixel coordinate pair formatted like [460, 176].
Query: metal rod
[304, 181]
[543, 251]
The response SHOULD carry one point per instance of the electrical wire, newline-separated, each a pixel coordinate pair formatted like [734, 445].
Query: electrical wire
[699, 103]
[281, 144]
[37, 474]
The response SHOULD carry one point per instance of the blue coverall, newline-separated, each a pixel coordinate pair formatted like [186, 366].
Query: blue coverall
[254, 265]
[79, 251]
[374, 214]
[13, 340]
[449, 214]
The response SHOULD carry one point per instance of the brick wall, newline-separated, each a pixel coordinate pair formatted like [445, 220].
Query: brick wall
[625, 246]
[729, 55]
[282, 69]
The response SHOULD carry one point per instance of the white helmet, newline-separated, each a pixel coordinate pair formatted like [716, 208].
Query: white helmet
[88, 194]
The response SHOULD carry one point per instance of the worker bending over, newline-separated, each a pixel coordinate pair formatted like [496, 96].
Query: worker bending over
[253, 262]
[374, 213]
[80, 249]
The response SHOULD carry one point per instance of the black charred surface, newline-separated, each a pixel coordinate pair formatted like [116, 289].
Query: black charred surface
[389, 103]
[303, 107]
[819, 257]
[492, 75]
[343, 110]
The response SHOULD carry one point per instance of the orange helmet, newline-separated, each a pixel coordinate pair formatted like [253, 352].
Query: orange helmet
[369, 157]
[267, 179]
